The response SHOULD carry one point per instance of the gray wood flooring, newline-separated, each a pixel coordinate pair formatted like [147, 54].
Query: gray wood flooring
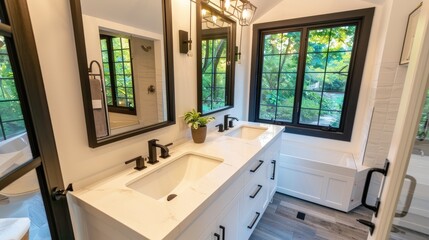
[280, 222]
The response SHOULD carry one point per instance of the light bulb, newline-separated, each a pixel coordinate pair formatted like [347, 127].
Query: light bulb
[246, 14]
[227, 4]
[214, 19]
[203, 12]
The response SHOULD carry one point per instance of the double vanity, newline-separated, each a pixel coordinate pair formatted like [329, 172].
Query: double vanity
[215, 190]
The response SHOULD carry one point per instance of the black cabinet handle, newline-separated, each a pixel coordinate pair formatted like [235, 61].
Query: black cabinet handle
[223, 231]
[217, 236]
[257, 191]
[274, 162]
[254, 220]
[256, 169]
[367, 183]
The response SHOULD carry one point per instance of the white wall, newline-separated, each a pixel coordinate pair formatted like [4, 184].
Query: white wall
[289, 9]
[53, 31]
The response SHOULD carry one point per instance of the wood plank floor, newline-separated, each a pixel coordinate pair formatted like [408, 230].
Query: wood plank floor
[280, 222]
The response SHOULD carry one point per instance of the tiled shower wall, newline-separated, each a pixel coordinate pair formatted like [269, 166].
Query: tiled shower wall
[387, 99]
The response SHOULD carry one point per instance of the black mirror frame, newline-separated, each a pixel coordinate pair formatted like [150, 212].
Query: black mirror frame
[93, 142]
[231, 54]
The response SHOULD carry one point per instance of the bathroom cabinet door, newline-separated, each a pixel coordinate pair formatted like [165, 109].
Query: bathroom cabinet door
[226, 227]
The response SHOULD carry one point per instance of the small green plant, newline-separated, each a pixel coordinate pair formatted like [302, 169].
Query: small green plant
[195, 120]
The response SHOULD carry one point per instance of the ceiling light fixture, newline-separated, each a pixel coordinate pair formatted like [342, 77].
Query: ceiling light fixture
[242, 10]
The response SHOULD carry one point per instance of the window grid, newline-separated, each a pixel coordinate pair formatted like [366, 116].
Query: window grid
[319, 114]
[11, 118]
[116, 55]
[341, 82]
[214, 99]
[334, 114]
[284, 52]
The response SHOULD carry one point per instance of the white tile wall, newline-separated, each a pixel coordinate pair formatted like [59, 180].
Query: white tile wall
[387, 99]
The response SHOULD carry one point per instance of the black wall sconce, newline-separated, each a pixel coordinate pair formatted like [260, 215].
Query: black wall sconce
[185, 43]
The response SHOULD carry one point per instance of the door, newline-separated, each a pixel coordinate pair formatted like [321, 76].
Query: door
[404, 135]
[29, 165]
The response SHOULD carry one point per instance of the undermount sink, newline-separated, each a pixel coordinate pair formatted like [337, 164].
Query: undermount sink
[172, 179]
[247, 132]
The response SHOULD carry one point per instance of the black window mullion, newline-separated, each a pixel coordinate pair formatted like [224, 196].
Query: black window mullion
[278, 76]
[132, 75]
[111, 69]
[300, 76]
[348, 91]
[324, 77]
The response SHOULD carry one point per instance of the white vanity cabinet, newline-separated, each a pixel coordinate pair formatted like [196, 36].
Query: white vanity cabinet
[242, 206]
[225, 203]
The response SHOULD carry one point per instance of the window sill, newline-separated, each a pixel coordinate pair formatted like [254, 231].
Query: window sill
[342, 136]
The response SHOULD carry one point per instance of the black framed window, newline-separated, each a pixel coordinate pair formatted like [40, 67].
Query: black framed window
[11, 118]
[215, 73]
[306, 73]
[215, 60]
[118, 74]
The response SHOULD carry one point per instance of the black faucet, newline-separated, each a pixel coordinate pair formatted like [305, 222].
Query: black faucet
[220, 126]
[227, 124]
[139, 162]
[152, 145]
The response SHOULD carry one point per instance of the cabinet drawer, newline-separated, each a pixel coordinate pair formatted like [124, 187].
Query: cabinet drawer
[256, 168]
[250, 222]
[254, 196]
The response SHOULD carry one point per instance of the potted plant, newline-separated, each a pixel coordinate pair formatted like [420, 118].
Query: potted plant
[198, 125]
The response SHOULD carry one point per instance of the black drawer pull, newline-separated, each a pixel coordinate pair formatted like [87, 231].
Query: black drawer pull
[256, 169]
[257, 191]
[223, 231]
[217, 236]
[254, 220]
[274, 169]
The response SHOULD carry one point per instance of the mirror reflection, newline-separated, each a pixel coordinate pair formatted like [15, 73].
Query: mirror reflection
[216, 45]
[125, 38]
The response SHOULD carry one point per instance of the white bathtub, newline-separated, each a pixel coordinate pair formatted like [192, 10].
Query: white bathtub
[418, 214]
[326, 177]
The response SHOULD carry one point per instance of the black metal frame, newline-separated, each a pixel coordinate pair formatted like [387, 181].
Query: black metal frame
[115, 107]
[363, 18]
[213, 34]
[229, 88]
[30, 87]
[78, 27]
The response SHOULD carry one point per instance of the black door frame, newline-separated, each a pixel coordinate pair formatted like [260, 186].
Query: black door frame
[38, 122]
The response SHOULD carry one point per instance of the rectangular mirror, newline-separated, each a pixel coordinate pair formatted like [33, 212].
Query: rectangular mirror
[215, 60]
[126, 66]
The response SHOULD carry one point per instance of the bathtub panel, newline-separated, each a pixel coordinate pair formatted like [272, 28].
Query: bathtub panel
[300, 183]
[313, 181]
[335, 193]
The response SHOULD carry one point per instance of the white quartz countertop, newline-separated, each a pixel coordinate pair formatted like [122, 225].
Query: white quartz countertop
[159, 219]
